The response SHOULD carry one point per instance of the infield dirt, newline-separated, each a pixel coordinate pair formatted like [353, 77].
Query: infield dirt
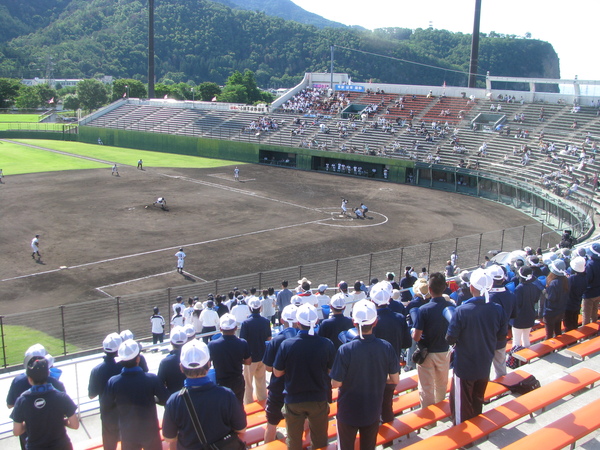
[96, 225]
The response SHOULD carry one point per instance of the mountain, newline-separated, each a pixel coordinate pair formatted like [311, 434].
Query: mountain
[200, 40]
[284, 9]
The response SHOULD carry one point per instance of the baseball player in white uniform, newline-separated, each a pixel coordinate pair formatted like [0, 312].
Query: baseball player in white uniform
[180, 260]
[344, 208]
[35, 244]
[162, 202]
[236, 174]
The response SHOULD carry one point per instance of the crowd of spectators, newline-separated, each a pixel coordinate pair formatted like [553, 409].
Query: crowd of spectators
[415, 322]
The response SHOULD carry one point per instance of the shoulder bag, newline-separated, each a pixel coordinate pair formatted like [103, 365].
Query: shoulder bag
[229, 442]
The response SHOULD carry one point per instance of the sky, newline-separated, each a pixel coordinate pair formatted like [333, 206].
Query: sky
[570, 26]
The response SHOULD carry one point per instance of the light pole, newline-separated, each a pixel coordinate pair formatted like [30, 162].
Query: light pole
[192, 94]
[127, 91]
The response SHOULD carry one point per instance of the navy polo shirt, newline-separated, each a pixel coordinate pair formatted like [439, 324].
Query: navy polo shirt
[362, 366]
[20, 384]
[392, 327]
[508, 302]
[256, 330]
[433, 324]
[397, 307]
[527, 294]
[132, 392]
[405, 283]
[218, 410]
[170, 373]
[227, 355]
[416, 302]
[43, 409]
[577, 285]
[276, 384]
[464, 293]
[476, 326]
[99, 377]
[332, 327]
[306, 361]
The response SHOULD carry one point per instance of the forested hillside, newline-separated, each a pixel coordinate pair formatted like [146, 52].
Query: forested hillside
[199, 40]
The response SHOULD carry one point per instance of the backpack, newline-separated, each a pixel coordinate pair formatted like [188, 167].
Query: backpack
[512, 361]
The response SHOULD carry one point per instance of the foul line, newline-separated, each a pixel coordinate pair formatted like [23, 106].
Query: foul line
[135, 279]
[119, 258]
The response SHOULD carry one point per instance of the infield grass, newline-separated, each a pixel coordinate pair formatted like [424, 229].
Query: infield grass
[18, 338]
[19, 159]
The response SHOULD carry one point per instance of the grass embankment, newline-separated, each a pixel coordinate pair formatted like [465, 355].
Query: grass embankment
[18, 338]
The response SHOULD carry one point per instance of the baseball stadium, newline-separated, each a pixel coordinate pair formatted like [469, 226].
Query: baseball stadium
[450, 177]
[121, 226]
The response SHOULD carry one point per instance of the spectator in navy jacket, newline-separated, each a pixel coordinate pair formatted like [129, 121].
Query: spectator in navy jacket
[475, 328]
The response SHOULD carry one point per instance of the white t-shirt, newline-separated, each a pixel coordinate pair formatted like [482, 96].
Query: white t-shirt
[268, 306]
[241, 313]
[209, 318]
[158, 324]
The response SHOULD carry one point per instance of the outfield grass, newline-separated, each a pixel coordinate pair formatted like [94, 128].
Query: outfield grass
[17, 159]
[18, 338]
[122, 156]
[19, 118]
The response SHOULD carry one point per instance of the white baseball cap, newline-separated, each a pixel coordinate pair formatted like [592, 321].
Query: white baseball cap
[255, 303]
[338, 301]
[307, 315]
[578, 264]
[111, 343]
[496, 272]
[178, 336]
[381, 293]
[227, 322]
[128, 350]
[126, 335]
[34, 350]
[194, 354]
[289, 315]
[190, 331]
[364, 312]
[482, 281]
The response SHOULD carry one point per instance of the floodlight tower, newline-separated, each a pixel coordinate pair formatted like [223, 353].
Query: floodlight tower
[475, 46]
[150, 48]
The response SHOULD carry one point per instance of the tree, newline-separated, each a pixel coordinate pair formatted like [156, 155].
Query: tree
[136, 88]
[249, 83]
[234, 93]
[46, 94]
[161, 89]
[207, 91]
[71, 102]
[92, 94]
[9, 91]
[28, 98]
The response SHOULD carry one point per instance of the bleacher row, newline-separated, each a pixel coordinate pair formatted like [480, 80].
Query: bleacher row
[429, 427]
[404, 142]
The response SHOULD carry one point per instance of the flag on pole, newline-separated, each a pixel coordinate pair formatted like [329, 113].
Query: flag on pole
[444, 85]
[214, 99]
[51, 100]
[124, 94]
[166, 95]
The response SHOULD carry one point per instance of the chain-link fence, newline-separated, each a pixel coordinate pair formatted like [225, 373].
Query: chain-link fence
[82, 326]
